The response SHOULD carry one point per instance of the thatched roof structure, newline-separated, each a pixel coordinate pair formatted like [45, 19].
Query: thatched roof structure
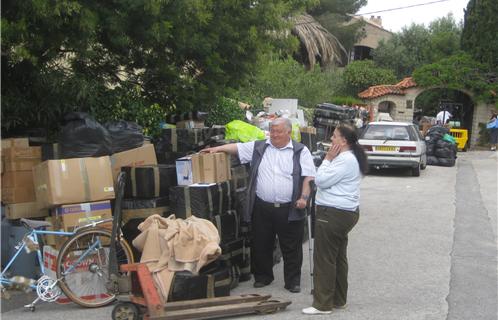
[320, 45]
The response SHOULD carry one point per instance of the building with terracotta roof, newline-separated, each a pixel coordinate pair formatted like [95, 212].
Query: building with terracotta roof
[399, 101]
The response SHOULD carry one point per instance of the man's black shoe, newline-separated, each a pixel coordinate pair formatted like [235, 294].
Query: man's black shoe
[294, 289]
[259, 284]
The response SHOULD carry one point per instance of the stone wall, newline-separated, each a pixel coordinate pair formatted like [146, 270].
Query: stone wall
[402, 110]
[482, 113]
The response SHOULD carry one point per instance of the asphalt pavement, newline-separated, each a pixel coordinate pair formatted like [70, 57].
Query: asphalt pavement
[424, 248]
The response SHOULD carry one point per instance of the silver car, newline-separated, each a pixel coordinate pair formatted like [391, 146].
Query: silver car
[394, 145]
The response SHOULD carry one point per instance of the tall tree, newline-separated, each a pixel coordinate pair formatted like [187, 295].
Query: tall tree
[334, 16]
[417, 45]
[92, 55]
[480, 31]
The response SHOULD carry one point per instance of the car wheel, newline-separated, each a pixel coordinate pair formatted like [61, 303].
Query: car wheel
[423, 162]
[416, 171]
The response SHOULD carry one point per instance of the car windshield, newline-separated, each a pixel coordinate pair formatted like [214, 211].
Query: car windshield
[387, 132]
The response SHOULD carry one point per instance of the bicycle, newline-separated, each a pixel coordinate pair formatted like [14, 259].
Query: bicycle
[83, 263]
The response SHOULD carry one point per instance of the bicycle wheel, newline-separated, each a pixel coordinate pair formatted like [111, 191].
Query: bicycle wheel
[83, 264]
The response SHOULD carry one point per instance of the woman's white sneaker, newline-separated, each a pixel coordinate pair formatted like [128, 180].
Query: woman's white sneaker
[312, 310]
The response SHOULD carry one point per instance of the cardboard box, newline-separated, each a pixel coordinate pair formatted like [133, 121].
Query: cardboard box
[79, 275]
[144, 155]
[24, 210]
[203, 168]
[75, 180]
[20, 159]
[308, 130]
[12, 195]
[188, 170]
[71, 216]
[223, 162]
[15, 143]
[17, 179]
[52, 240]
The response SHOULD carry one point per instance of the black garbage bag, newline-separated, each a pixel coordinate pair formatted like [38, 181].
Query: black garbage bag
[430, 148]
[432, 161]
[445, 149]
[82, 136]
[436, 132]
[444, 153]
[446, 162]
[125, 135]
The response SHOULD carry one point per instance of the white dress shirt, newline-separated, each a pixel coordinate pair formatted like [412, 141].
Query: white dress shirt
[274, 181]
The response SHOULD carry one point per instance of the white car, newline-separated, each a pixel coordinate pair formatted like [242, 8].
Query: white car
[394, 145]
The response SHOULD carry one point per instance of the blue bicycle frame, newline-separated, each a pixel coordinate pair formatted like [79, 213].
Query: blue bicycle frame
[33, 235]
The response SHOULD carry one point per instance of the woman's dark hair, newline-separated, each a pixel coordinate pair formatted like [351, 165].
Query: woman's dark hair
[351, 137]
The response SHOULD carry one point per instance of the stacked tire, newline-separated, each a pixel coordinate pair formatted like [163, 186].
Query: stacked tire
[327, 116]
[440, 152]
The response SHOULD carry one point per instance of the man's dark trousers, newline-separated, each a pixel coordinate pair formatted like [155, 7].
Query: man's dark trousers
[268, 221]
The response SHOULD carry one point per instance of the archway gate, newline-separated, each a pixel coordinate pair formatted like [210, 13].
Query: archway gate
[403, 94]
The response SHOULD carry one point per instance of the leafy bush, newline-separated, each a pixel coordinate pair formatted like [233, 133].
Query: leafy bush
[359, 75]
[349, 101]
[286, 78]
[225, 111]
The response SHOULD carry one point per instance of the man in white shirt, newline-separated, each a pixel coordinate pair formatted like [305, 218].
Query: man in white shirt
[281, 170]
[443, 117]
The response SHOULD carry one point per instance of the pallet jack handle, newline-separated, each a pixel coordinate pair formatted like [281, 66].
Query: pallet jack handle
[116, 224]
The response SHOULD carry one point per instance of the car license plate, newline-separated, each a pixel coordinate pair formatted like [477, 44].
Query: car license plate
[386, 148]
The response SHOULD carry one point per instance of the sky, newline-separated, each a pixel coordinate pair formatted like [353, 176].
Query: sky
[395, 20]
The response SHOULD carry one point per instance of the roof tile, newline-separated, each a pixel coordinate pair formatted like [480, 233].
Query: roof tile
[382, 90]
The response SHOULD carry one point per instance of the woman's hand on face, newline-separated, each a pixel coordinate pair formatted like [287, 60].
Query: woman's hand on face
[333, 152]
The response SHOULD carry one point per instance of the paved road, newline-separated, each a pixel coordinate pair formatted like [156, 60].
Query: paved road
[424, 248]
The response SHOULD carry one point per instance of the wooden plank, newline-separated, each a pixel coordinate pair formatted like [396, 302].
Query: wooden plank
[199, 303]
[225, 310]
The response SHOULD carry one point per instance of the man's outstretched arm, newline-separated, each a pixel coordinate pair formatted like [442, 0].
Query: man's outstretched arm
[230, 148]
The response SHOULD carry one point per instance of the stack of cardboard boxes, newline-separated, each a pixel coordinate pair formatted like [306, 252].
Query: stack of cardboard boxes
[18, 192]
[78, 192]
[69, 192]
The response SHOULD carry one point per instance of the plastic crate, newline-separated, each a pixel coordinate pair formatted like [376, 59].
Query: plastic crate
[461, 136]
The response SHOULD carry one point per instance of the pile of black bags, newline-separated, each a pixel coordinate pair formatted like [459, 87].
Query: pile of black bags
[82, 136]
[440, 151]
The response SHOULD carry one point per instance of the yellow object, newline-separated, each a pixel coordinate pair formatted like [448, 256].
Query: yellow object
[296, 133]
[461, 136]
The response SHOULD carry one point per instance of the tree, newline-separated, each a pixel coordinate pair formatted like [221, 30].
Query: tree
[418, 45]
[89, 55]
[286, 78]
[459, 72]
[334, 15]
[359, 75]
[479, 36]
